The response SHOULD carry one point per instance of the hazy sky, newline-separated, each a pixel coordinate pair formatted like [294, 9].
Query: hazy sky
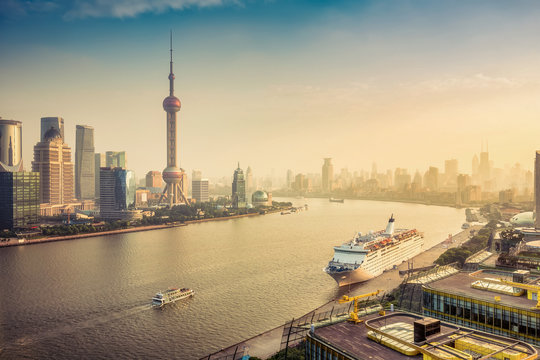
[280, 84]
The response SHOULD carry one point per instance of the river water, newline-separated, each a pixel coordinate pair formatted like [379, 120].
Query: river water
[89, 298]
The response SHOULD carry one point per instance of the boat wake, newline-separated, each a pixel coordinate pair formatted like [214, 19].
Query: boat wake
[72, 328]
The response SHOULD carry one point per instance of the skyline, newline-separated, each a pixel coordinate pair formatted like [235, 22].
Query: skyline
[277, 85]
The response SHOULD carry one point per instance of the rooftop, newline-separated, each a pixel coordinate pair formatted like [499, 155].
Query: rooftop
[460, 283]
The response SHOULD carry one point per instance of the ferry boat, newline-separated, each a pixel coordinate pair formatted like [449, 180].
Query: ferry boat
[337, 200]
[171, 295]
[367, 256]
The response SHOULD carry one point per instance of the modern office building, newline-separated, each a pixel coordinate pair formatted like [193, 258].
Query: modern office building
[85, 177]
[537, 189]
[480, 301]
[115, 159]
[117, 194]
[52, 159]
[153, 179]
[99, 162]
[238, 189]
[176, 189]
[19, 199]
[55, 122]
[10, 145]
[199, 190]
[431, 179]
[327, 175]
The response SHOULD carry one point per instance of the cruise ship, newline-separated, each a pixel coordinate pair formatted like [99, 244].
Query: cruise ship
[367, 256]
[171, 295]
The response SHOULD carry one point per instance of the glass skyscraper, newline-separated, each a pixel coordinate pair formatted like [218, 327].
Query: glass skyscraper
[85, 180]
[19, 199]
[117, 192]
[239, 189]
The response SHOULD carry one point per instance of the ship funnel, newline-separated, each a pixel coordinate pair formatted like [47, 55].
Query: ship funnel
[390, 227]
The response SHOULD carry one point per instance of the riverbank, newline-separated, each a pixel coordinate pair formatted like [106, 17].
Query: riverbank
[268, 343]
[46, 239]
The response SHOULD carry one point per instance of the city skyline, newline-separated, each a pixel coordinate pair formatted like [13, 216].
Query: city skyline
[292, 83]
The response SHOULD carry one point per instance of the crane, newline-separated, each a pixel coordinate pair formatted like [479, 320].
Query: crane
[353, 316]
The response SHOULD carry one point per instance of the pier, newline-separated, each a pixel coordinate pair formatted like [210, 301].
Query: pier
[270, 342]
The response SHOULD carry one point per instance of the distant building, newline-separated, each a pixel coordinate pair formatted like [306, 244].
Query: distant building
[199, 190]
[99, 162]
[239, 189]
[506, 196]
[55, 122]
[450, 171]
[141, 197]
[290, 179]
[250, 186]
[10, 145]
[52, 159]
[431, 179]
[85, 177]
[537, 189]
[154, 179]
[115, 159]
[261, 198]
[327, 175]
[117, 194]
[472, 193]
[19, 199]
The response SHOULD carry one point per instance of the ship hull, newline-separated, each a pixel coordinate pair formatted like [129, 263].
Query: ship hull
[344, 278]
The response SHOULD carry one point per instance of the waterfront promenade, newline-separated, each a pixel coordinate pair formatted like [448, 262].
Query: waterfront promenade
[268, 343]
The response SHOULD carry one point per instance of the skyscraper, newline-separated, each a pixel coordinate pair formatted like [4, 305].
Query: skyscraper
[116, 159]
[52, 159]
[10, 145]
[451, 171]
[199, 187]
[153, 179]
[19, 190]
[85, 178]
[327, 175]
[117, 193]
[238, 189]
[99, 162]
[52, 122]
[172, 175]
[290, 179]
[537, 189]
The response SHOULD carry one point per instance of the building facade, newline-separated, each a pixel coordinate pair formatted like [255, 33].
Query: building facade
[52, 159]
[115, 159]
[199, 190]
[238, 189]
[99, 162]
[19, 199]
[10, 145]
[153, 179]
[117, 193]
[327, 175]
[85, 177]
[55, 122]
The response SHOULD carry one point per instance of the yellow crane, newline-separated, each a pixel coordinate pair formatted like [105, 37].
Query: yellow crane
[353, 316]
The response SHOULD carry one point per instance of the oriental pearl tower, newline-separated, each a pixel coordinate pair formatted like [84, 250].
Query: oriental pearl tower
[172, 175]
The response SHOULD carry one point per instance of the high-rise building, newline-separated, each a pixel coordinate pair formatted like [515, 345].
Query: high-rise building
[484, 167]
[249, 180]
[85, 177]
[199, 190]
[537, 189]
[327, 175]
[99, 162]
[153, 179]
[116, 159]
[19, 199]
[290, 179]
[463, 181]
[239, 189]
[10, 145]
[451, 171]
[55, 122]
[52, 159]
[117, 193]
[173, 176]
[431, 180]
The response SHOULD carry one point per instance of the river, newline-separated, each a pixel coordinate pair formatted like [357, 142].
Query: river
[89, 298]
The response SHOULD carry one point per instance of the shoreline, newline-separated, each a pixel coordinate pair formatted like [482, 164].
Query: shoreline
[43, 240]
[268, 342]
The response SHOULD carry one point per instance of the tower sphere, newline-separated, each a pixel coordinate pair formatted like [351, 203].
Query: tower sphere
[172, 175]
[171, 103]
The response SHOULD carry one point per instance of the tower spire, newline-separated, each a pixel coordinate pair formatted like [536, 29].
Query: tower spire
[171, 75]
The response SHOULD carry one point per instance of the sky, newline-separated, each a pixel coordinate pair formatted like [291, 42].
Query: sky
[280, 84]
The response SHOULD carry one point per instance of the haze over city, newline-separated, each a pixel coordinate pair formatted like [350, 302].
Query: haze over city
[277, 84]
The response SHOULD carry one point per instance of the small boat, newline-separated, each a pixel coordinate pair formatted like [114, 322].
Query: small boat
[171, 295]
[285, 212]
[337, 200]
